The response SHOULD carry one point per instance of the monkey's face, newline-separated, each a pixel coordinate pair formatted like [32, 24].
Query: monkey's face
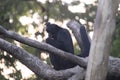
[51, 28]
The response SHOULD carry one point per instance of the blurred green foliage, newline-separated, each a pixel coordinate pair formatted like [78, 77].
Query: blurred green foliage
[115, 50]
[12, 10]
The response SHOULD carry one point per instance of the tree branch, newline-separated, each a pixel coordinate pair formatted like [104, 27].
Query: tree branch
[36, 65]
[75, 27]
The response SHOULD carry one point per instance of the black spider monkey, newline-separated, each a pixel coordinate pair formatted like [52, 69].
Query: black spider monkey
[60, 38]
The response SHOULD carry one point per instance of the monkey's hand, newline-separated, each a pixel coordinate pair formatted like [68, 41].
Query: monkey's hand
[53, 42]
[50, 41]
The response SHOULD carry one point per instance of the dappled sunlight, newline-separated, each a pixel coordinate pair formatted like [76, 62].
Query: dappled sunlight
[36, 18]
[26, 73]
[91, 34]
[11, 20]
[6, 70]
[88, 1]
[67, 1]
[90, 24]
[43, 1]
[25, 20]
[82, 21]
[77, 8]
[31, 31]
[84, 1]
[44, 57]
[119, 8]
[30, 22]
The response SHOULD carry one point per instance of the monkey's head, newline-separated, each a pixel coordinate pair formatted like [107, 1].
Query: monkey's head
[52, 28]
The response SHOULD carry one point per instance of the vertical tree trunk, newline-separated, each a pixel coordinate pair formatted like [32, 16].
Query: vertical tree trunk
[100, 48]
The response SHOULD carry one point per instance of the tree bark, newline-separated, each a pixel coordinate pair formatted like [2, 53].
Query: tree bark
[39, 67]
[75, 27]
[100, 48]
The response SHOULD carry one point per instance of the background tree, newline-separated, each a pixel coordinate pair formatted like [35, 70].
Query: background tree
[101, 43]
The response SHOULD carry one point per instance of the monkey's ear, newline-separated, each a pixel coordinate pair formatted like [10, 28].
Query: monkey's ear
[47, 23]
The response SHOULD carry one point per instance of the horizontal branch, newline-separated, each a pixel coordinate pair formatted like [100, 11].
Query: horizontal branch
[43, 46]
[113, 68]
[24, 57]
[36, 65]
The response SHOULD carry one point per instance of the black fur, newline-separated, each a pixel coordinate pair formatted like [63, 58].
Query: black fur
[85, 41]
[59, 38]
